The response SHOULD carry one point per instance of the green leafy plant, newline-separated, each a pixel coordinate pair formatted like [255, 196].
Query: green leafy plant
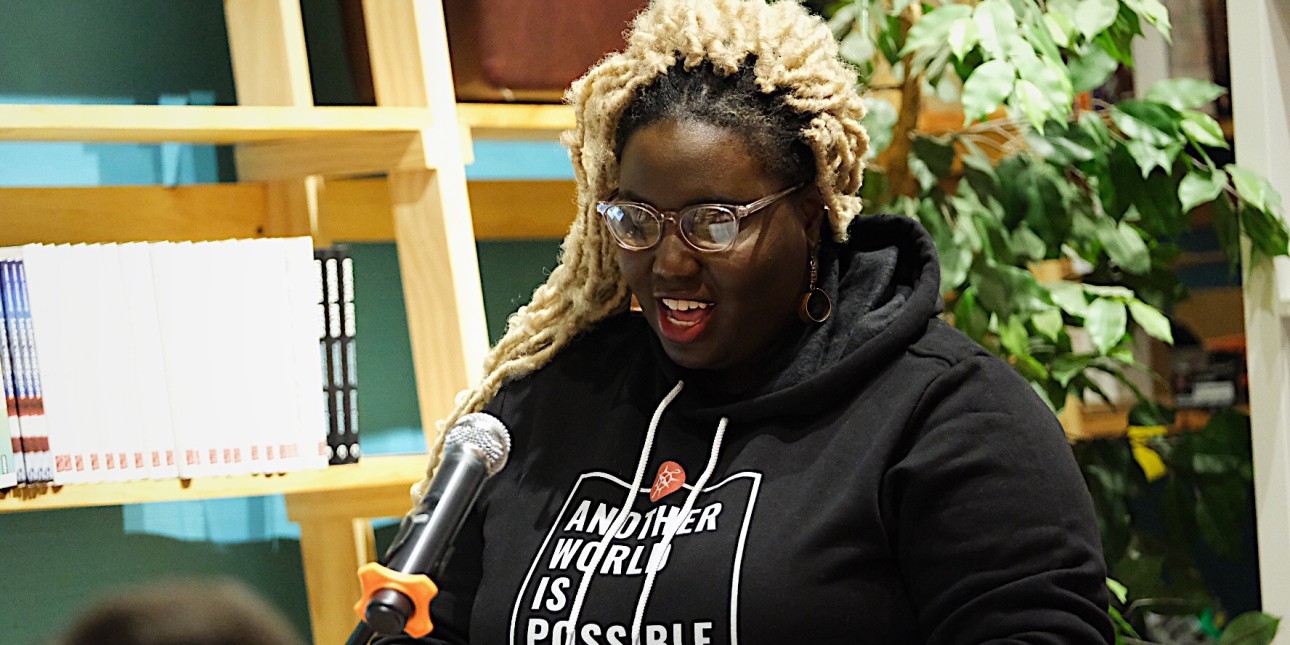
[1204, 480]
[1058, 214]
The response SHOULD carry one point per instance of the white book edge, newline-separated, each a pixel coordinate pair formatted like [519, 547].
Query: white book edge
[151, 395]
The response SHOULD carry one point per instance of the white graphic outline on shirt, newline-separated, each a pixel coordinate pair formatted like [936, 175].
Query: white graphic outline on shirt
[739, 550]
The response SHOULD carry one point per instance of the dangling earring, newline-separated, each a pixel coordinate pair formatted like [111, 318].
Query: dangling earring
[816, 306]
[635, 305]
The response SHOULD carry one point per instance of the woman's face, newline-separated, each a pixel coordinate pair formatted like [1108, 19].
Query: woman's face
[725, 311]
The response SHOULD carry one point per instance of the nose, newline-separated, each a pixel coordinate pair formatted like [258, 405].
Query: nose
[674, 259]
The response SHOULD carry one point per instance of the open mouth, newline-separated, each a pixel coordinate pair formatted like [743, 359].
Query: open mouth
[682, 320]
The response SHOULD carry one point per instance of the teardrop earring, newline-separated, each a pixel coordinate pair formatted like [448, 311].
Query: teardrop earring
[816, 305]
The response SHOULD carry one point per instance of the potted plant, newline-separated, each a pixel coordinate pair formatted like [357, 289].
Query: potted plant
[1057, 213]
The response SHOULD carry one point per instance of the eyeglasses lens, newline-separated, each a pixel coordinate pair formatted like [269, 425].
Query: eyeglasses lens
[706, 228]
[710, 228]
[635, 227]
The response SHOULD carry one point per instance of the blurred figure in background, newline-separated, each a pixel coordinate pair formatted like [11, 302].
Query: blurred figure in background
[182, 612]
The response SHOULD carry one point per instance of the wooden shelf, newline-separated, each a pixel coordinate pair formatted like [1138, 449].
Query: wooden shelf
[201, 124]
[369, 473]
[510, 121]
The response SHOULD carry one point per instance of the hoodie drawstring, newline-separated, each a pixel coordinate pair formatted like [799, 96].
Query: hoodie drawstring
[622, 512]
[657, 555]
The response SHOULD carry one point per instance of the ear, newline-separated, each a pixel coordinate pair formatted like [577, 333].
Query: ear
[811, 209]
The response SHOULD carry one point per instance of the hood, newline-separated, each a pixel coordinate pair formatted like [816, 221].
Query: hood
[885, 286]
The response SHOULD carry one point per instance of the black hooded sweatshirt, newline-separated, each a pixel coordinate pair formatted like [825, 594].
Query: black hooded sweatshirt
[889, 481]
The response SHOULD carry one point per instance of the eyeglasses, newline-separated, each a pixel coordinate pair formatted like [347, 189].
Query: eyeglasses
[705, 227]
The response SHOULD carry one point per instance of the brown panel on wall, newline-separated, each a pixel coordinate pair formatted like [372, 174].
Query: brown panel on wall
[520, 50]
[1212, 313]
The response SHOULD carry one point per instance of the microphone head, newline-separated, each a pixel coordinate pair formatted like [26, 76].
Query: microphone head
[485, 434]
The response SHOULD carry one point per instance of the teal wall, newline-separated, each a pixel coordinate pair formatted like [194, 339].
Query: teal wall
[151, 51]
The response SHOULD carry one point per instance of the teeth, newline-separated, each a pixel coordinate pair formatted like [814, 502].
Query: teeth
[684, 305]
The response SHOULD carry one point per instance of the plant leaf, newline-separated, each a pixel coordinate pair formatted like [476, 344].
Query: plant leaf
[956, 258]
[1151, 320]
[1118, 590]
[1090, 70]
[932, 31]
[841, 20]
[1014, 337]
[1254, 189]
[1228, 228]
[1184, 93]
[963, 37]
[1106, 321]
[1118, 39]
[930, 160]
[1149, 157]
[1008, 290]
[1250, 628]
[1266, 232]
[1069, 296]
[1152, 123]
[1200, 186]
[1203, 129]
[1034, 104]
[1092, 17]
[986, 88]
[1155, 13]
[856, 47]
[1049, 324]
[969, 317]
[1107, 291]
[880, 121]
[1125, 246]
[994, 20]
[1059, 27]
[1026, 245]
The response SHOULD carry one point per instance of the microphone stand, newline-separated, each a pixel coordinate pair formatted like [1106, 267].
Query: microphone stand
[362, 634]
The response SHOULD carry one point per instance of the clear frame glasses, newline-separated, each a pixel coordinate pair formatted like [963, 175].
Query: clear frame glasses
[709, 228]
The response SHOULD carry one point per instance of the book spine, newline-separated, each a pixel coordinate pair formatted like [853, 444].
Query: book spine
[12, 366]
[350, 338]
[338, 353]
[31, 403]
[311, 414]
[10, 439]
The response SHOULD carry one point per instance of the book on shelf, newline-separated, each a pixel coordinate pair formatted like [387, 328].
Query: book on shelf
[8, 384]
[147, 355]
[159, 360]
[337, 330]
[33, 432]
[10, 451]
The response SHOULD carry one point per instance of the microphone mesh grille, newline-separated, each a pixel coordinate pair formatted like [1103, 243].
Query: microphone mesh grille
[485, 433]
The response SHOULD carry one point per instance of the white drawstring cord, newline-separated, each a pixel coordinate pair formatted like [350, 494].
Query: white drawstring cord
[622, 512]
[657, 555]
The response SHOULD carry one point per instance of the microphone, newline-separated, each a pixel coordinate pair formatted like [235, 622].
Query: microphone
[396, 595]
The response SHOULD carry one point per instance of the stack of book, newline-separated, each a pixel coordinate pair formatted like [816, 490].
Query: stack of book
[158, 360]
[336, 343]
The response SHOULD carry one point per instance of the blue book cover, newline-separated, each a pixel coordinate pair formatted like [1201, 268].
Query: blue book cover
[9, 438]
[8, 384]
[31, 405]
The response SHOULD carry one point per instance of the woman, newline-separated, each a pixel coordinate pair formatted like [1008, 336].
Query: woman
[784, 444]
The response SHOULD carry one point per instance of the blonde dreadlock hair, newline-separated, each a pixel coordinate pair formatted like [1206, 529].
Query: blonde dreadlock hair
[791, 53]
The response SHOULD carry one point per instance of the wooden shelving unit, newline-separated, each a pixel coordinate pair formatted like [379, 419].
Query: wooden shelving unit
[201, 123]
[288, 154]
[370, 474]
